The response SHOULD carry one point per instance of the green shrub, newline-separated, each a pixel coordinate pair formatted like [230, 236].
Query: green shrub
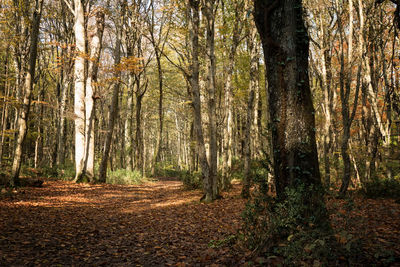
[237, 169]
[124, 177]
[279, 228]
[48, 172]
[163, 169]
[66, 172]
[191, 181]
[3, 178]
[382, 188]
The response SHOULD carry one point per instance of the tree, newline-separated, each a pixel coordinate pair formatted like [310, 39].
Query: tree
[211, 184]
[114, 108]
[195, 97]
[29, 82]
[79, 89]
[286, 48]
[90, 92]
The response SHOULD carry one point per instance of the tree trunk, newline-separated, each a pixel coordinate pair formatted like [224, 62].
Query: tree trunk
[160, 113]
[113, 112]
[253, 88]
[29, 81]
[129, 126]
[4, 114]
[228, 97]
[345, 89]
[79, 95]
[247, 145]
[139, 148]
[209, 10]
[286, 49]
[195, 95]
[326, 76]
[95, 52]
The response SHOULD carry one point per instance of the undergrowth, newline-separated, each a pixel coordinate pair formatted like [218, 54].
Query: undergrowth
[191, 180]
[124, 177]
[295, 229]
[382, 188]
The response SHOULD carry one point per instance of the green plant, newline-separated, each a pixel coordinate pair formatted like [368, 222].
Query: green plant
[3, 178]
[227, 241]
[283, 228]
[166, 169]
[236, 171]
[66, 171]
[191, 180]
[48, 171]
[124, 177]
[382, 188]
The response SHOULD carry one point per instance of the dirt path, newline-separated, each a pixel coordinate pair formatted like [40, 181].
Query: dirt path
[154, 224]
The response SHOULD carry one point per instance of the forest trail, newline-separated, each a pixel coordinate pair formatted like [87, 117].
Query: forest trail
[152, 224]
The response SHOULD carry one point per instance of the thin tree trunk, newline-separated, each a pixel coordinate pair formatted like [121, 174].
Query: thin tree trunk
[212, 120]
[157, 151]
[113, 113]
[4, 114]
[327, 104]
[247, 143]
[345, 89]
[139, 149]
[195, 94]
[129, 126]
[29, 81]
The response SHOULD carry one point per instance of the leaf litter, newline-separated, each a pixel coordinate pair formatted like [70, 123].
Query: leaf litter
[157, 224]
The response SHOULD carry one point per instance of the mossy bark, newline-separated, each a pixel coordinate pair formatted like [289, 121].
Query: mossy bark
[286, 49]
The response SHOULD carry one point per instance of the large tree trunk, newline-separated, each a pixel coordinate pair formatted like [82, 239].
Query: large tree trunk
[209, 10]
[195, 94]
[79, 95]
[286, 49]
[29, 81]
[95, 52]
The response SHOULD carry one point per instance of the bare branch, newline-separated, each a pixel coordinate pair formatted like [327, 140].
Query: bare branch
[69, 6]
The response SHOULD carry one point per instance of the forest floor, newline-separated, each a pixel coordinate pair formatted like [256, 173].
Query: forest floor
[157, 224]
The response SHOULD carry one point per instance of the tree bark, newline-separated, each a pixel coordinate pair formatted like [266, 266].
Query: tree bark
[247, 145]
[29, 81]
[228, 97]
[209, 11]
[79, 90]
[94, 58]
[345, 89]
[4, 113]
[113, 111]
[195, 95]
[286, 49]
